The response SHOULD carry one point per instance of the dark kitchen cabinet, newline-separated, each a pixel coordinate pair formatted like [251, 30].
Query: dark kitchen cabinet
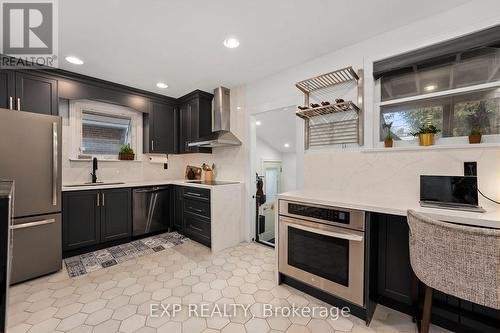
[92, 217]
[195, 120]
[160, 129]
[192, 213]
[36, 93]
[7, 89]
[81, 219]
[394, 285]
[116, 220]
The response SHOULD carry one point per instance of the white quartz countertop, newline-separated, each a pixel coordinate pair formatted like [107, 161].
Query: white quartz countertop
[395, 206]
[144, 183]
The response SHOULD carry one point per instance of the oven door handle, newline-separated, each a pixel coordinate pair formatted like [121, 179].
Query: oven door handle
[348, 236]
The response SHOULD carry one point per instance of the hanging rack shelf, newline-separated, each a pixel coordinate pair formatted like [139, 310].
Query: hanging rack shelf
[327, 109]
[339, 129]
[327, 80]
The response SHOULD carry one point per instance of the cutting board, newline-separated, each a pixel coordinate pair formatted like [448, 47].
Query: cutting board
[196, 170]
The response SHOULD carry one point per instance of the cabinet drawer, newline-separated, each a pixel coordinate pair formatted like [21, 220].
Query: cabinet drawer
[198, 228]
[196, 193]
[197, 207]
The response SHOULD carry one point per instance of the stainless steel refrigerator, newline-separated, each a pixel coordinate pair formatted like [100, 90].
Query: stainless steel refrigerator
[30, 154]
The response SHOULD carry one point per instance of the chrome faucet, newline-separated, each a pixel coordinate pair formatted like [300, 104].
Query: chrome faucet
[94, 168]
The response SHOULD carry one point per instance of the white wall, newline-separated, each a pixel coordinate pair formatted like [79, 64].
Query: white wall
[386, 173]
[264, 152]
[289, 165]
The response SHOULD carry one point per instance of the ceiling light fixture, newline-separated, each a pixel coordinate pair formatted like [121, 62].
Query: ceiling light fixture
[162, 85]
[74, 60]
[231, 43]
[286, 145]
[430, 87]
[258, 123]
[238, 108]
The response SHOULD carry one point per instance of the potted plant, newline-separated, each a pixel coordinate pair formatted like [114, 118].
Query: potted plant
[426, 135]
[388, 138]
[475, 136]
[388, 141]
[126, 153]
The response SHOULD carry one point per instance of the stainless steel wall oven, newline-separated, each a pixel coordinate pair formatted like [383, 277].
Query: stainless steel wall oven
[323, 247]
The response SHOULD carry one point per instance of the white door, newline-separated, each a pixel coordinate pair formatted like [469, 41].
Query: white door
[272, 171]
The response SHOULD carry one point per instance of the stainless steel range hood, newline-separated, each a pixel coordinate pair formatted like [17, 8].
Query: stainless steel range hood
[221, 135]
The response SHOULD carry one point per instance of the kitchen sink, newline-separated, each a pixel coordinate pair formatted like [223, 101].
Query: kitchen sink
[94, 184]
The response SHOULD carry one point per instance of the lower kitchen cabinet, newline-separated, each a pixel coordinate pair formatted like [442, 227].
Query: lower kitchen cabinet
[94, 217]
[116, 220]
[81, 219]
[192, 213]
[394, 284]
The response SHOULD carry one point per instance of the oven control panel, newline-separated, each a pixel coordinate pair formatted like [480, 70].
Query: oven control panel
[322, 213]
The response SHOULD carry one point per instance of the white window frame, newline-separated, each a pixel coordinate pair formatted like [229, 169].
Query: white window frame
[76, 110]
[449, 141]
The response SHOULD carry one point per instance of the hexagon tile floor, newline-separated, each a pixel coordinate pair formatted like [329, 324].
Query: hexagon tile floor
[119, 298]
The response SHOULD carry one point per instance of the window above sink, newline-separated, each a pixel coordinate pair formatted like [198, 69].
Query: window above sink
[100, 129]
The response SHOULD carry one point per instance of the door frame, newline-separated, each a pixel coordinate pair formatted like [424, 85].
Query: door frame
[262, 169]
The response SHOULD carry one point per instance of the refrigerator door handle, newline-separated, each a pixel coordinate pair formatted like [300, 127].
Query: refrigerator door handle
[32, 224]
[55, 166]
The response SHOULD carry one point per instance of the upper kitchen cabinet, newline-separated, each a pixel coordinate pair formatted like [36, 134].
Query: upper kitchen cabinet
[160, 129]
[36, 93]
[195, 114]
[7, 89]
[80, 87]
[32, 92]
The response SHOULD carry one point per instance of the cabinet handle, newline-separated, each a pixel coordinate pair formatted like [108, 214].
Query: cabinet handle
[18, 104]
[192, 193]
[98, 200]
[103, 199]
[152, 145]
[196, 228]
[195, 209]
[11, 103]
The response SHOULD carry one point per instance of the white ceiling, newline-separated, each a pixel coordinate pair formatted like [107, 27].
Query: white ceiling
[277, 128]
[139, 43]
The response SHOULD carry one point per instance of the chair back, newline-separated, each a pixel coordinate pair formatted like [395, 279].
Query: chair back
[458, 260]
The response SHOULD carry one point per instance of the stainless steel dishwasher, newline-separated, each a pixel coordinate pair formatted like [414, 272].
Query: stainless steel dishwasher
[150, 210]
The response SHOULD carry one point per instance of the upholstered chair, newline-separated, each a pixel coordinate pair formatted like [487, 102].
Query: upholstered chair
[462, 261]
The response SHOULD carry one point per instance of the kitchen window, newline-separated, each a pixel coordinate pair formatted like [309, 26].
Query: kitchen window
[101, 129]
[455, 93]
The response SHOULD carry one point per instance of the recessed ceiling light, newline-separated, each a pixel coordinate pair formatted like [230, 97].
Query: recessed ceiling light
[286, 145]
[238, 108]
[258, 123]
[430, 87]
[74, 60]
[162, 85]
[231, 43]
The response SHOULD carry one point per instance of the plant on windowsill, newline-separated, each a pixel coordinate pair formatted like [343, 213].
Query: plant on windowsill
[126, 153]
[426, 135]
[475, 136]
[388, 138]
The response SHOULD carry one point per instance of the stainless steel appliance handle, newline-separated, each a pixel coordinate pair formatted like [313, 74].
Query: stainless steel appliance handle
[55, 166]
[11, 103]
[154, 189]
[32, 224]
[18, 104]
[341, 235]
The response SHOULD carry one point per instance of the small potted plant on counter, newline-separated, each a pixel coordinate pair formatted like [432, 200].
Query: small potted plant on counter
[388, 138]
[426, 135]
[126, 153]
[475, 136]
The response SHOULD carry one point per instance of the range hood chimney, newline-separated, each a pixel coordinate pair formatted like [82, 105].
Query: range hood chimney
[221, 135]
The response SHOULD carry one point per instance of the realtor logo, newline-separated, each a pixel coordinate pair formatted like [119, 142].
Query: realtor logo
[29, 33]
